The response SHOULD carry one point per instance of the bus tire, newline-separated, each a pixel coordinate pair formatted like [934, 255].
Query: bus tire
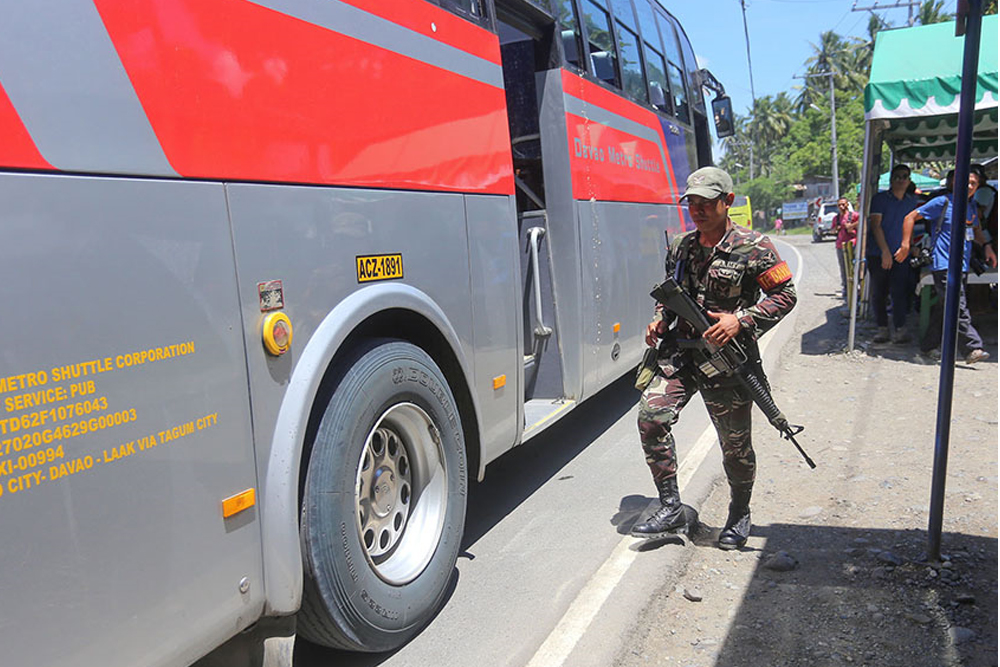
[383, 502]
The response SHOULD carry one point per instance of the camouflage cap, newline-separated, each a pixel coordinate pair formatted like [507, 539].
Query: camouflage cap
[708, 182]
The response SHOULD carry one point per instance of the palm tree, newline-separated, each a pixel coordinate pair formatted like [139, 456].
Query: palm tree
[832, 55]
[932, 11]
[865, 49]
[857, 66]
[769, 123]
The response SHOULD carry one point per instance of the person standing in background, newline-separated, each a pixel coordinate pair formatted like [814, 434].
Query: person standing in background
[887, 259]
[939, 211]
[845, 224]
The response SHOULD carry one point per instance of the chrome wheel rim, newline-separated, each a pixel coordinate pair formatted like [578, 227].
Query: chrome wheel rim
[401, 494]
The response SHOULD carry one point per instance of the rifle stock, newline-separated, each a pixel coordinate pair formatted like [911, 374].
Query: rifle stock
[729, 360]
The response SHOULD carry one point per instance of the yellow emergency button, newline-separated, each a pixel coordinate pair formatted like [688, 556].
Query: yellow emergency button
[277, 333]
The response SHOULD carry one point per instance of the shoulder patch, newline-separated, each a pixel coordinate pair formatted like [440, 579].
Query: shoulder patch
[776, 275]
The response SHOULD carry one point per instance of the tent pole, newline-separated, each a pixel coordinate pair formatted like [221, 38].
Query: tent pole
[963, 152]
[859, 244]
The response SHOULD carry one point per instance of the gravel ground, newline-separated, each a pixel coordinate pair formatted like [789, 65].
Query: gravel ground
[835, 571]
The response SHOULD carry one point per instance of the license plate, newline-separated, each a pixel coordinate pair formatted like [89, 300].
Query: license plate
[379, 267]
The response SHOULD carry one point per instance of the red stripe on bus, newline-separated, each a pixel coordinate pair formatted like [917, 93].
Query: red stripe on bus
[16, 146]
[580, 87]
[606, 179]
[235, 90]
[611, 165]
[436, 23]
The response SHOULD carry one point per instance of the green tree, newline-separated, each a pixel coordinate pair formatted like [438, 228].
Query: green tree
[767, 194]
[932, 11]
[833, 55]
[768, 124]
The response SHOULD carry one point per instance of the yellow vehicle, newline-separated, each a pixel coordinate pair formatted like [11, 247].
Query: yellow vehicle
[740, 211]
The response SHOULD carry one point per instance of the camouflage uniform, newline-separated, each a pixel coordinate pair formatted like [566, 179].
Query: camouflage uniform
[727, 278]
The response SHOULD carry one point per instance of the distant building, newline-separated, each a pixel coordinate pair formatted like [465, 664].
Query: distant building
[814, 188]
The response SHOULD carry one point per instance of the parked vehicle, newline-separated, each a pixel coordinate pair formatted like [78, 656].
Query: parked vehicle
[740, 212]
[823, 226]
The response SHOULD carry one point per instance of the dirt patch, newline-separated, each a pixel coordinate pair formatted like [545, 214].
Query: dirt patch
[835, 571]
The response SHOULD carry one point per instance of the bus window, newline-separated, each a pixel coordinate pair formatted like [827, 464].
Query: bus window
[656, 72]
[628, 48]
[691, 67]
[656, 65]
[469, 9]
[622, 9]
[647, 24]
[628, 43]
[679, 95]
[602, 47]
[674, 71]
[569, 31]
[671, 49]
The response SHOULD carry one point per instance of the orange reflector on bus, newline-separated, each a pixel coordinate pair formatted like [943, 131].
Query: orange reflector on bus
[499, 381]
[617, 327]
[241, 501]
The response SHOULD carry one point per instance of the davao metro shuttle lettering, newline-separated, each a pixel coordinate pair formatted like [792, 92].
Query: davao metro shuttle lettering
[617, 149]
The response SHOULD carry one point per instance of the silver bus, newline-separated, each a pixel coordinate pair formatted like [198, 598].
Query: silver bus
[283, 276]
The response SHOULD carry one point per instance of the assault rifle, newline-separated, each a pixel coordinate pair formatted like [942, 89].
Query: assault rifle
[730, 360]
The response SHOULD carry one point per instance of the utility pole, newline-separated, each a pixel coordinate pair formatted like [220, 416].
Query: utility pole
[833, 140]
[753, 96]
[909, 4]
[833, 130]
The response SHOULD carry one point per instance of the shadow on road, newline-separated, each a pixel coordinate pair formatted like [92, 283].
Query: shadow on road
[861, 587]
[519, 473]
[830, 337]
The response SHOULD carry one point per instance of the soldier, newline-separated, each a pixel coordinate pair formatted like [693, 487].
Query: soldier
[723, 267]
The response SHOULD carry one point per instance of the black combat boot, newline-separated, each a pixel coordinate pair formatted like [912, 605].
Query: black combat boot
[669, 517]
[737, 529]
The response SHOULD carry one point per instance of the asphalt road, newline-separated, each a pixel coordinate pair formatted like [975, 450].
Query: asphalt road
[548, 575]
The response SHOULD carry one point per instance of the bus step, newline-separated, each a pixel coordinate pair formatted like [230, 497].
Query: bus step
[540, 413]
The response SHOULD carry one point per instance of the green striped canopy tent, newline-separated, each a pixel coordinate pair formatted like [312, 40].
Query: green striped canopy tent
[912, 103]
[912, 97]
[925, 183]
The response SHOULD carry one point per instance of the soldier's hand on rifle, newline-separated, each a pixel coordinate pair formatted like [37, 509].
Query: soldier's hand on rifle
[654, 331]
[723, 331]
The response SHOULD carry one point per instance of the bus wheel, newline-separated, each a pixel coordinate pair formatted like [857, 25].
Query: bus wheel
[384, 501]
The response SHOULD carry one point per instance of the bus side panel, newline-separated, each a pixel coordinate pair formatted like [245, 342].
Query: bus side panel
[680, 145]
[623, 249]
[124, 424]
[495, 274]
[310, 239]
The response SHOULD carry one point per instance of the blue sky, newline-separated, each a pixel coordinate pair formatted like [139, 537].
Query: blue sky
[781, 34]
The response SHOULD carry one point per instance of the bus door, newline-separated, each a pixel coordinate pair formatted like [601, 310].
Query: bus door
[526, 50]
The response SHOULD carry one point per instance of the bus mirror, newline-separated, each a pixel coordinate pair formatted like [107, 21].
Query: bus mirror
[722, 109]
